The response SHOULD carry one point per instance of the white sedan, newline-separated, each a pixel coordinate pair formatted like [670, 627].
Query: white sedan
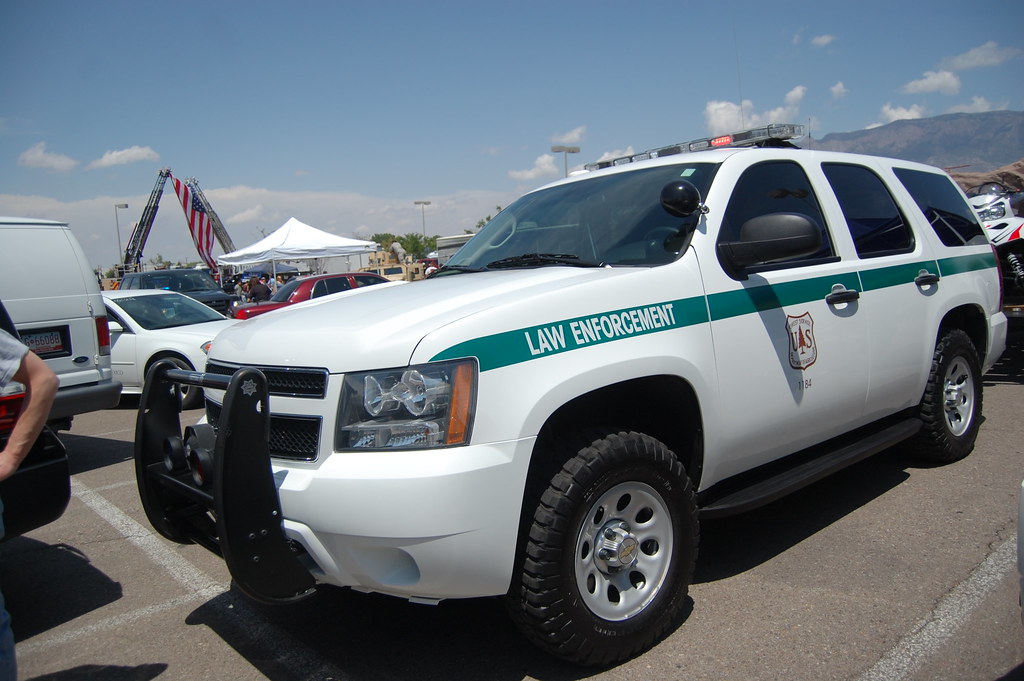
[149, 325]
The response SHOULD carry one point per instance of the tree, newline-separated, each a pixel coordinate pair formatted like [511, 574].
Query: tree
[416, 245]
[159, 263]
[384, 240]
[484, 221]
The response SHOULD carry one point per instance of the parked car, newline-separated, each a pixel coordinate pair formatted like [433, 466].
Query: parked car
[193, 283]
[146, 326]
[58, 315]
[307, 288]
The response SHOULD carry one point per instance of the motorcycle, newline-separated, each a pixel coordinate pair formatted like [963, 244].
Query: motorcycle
[1001, 210]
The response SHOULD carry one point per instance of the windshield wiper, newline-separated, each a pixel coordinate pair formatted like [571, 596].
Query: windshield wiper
[455, 269]
[539, 259]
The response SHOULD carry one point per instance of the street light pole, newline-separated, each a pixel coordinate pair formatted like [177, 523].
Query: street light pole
[565, 151]
[423, 210]
[120, 251]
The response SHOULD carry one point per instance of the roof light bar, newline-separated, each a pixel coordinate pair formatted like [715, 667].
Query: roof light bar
[743, 138]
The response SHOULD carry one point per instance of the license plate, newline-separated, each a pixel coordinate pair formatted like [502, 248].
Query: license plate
[43, 342]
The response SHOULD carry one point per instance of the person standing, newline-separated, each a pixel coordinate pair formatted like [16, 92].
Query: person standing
[259, 292]
[18, 363]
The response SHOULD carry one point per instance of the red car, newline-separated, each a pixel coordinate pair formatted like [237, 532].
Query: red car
[307, 288]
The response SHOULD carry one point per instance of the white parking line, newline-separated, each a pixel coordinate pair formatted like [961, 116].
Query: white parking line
[951, 612]
[285, 649]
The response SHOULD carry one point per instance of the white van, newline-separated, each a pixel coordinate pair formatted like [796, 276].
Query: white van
[53, 297]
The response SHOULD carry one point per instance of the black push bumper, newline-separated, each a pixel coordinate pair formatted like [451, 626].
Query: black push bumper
[216, 488]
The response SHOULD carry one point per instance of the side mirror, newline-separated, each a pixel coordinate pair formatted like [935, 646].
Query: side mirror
[680, 198]
[774, 236]
[114, 327]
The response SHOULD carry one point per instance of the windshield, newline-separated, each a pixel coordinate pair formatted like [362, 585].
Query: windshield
[182, 281]
[284, 291]
[166, 311]
[611, 220]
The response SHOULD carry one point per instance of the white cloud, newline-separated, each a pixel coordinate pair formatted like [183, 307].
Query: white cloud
[822, 40]
[38, 157]
[616, 153]
[838, 90]
[255, 214]
[945, 82]
[978, 105]
[544, 166]
[898, 113]
[344, 213]
[989, 54]
[124, 157]
[574, 136]
[723, 117]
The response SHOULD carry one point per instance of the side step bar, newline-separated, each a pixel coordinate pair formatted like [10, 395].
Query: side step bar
[779, 483]
[216, 488]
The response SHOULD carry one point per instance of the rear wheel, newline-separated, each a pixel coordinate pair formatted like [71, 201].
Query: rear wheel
[951, 406]
[610, 552]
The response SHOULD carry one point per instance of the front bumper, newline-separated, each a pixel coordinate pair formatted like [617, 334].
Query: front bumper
[424, 525]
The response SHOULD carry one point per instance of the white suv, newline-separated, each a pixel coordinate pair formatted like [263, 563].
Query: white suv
[686, 333]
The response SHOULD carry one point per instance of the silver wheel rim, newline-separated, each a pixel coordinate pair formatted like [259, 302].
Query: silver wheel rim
[623, 551]
[958, 396]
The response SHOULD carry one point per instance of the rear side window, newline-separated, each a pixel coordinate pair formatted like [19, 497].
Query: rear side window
[775, 187]
[337, 284]
[875, 221]
[949, 215]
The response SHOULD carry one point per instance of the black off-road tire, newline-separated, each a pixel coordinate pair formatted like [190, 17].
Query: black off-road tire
[610, 553]
[950, 408]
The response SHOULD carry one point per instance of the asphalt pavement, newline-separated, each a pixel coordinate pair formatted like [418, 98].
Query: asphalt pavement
[892, 569]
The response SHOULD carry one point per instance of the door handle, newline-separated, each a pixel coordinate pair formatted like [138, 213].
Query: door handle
[926, 278]
[840, 294]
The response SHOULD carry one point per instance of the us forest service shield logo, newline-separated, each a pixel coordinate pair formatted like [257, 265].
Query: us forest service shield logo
[803, 351]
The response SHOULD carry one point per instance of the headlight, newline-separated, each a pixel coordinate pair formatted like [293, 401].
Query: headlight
[991, 212]
[428, 405]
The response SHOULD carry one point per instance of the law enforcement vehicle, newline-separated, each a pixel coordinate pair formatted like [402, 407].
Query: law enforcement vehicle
[682, 334]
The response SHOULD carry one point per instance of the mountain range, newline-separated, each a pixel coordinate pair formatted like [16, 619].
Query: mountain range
[966, 142]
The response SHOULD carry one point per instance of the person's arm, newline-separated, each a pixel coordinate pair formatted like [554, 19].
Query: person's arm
[40, 387]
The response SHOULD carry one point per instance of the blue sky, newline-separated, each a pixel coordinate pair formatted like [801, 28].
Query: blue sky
[342, 114]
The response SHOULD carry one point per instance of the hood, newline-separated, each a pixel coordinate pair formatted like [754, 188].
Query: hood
[197, 333]
[381, 326]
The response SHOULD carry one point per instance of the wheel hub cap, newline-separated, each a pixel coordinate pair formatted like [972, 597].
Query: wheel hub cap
[619, 548]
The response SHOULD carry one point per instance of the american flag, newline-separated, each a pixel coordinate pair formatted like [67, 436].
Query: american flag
[198, 222]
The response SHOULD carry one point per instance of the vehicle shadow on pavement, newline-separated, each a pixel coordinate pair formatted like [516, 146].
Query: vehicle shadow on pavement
[357, 636]
[731, 546]
[104, 672]
[87, 453]
[36, 576]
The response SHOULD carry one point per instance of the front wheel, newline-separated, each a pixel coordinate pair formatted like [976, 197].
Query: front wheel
[191, 396]
[610, 552]
[951, 406]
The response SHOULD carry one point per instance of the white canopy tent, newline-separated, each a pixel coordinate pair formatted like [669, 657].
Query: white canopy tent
[295, 240]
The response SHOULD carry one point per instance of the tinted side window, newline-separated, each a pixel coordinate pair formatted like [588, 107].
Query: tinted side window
[337, 284]
[774, 187]
[875, 221]
[319, 289]
[947, 212]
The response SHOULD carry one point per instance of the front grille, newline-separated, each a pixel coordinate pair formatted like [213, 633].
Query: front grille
[283, 381]
[291, 437]
[219, 305]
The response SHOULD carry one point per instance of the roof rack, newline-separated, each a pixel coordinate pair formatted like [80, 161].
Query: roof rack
[770, 135]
